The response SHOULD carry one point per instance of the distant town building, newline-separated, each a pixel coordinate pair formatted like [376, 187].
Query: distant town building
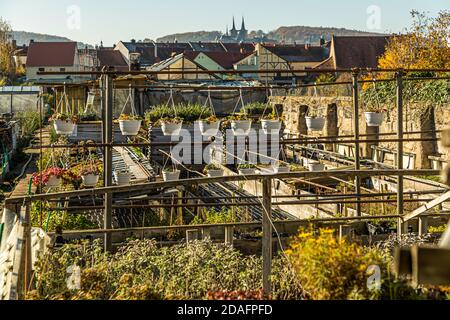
[51, 57]
[235, 35]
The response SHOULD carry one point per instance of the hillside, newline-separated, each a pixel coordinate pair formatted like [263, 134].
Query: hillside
[288, 34]
[24, 37]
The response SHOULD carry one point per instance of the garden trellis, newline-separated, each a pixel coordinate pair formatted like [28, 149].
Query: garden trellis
[267, 180]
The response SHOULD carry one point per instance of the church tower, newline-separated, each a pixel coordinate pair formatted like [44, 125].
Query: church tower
[234, 31]
[243, 33]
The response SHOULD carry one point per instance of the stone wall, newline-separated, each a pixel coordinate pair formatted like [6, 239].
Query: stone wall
[416, 118]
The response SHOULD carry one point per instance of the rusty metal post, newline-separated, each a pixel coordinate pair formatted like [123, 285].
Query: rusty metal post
[355, 91]
[400, 205]
[107, 157]
[267, 234]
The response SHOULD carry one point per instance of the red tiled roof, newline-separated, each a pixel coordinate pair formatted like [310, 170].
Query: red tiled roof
[226, 59]
[358, 51]
[47, 54]
[112, 58]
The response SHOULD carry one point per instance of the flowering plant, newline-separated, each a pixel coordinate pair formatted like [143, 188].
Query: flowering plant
[126, 117]
[45, 176]
[210, 119]
[64, 117]
[90, 170]
[176, 120]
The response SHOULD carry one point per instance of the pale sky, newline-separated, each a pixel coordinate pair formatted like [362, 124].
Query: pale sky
[114, 20]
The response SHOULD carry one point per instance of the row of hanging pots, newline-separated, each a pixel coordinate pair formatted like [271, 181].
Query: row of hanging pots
[373, 119]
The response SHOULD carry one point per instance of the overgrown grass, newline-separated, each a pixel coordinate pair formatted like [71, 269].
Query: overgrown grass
[30, 121]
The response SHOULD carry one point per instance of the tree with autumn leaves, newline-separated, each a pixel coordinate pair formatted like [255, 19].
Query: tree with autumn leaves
[7, 66]
[424, 46]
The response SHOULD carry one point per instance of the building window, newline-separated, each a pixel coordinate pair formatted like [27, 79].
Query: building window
[62, 69]
[41, 69]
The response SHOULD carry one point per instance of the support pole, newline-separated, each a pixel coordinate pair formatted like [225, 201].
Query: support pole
[355, 91]
[267, 235]
[399, 82]
[107, 158]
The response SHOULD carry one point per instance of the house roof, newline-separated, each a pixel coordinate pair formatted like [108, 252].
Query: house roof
[245, 47]
[112, 58]
[47, 54]
[147, 50]
[358, 51]
[299, 53]
[226, 59]
[207, 46]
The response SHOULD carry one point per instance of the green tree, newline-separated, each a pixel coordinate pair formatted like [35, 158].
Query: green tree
[7, 67]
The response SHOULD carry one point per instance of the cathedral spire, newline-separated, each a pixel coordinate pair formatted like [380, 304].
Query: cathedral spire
[234, 25]
[243, 24]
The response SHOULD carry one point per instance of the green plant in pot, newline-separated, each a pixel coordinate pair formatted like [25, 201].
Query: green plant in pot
[247, 169]
[213, 170]
[64, 123]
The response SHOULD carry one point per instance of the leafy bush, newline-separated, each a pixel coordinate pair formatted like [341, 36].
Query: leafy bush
[30, 121]
[328, 268]
[226, 215]
[182, 272]
[257, 109]
[187, 112]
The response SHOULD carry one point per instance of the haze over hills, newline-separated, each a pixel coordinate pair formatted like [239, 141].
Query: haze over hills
[288, 34]
[299, 34]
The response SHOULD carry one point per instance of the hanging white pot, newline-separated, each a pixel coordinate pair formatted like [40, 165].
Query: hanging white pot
[215, 173]
[247, 172]
[171, 175]
[130, 127]
[271, 126]
[241, 127]
[53, 181]
[374, 119]
[315, 124]
[209, 129]
[278, 169]
[90, 180]
[122, 178]
[316, 166]
[171, 129]
[64, 127]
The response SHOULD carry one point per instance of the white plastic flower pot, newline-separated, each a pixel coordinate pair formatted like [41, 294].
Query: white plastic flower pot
[64, 127]
[271, 126]
[277, 169]
[130, 127]
[315, 124]
[171, 129]
[215, 173]
[316, 166]
[241, 127]
[374, 119]
[209, 129]
[90, 180]
[53, 181]
[247, 172]
[171, 176]
[122, 179]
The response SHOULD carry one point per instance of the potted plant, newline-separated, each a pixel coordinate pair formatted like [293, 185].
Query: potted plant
[240, 125]
[50, 177]
[281, 167]
[314, 121]
[271, 123]
[63, 123]
[171, 174]
[171, 126]
[295, 167]
[315, 166]
[213, 170]
[90, 175]
[130, 124]
[246, 169]
[210, 126]
[374, 115]
[122, 177]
